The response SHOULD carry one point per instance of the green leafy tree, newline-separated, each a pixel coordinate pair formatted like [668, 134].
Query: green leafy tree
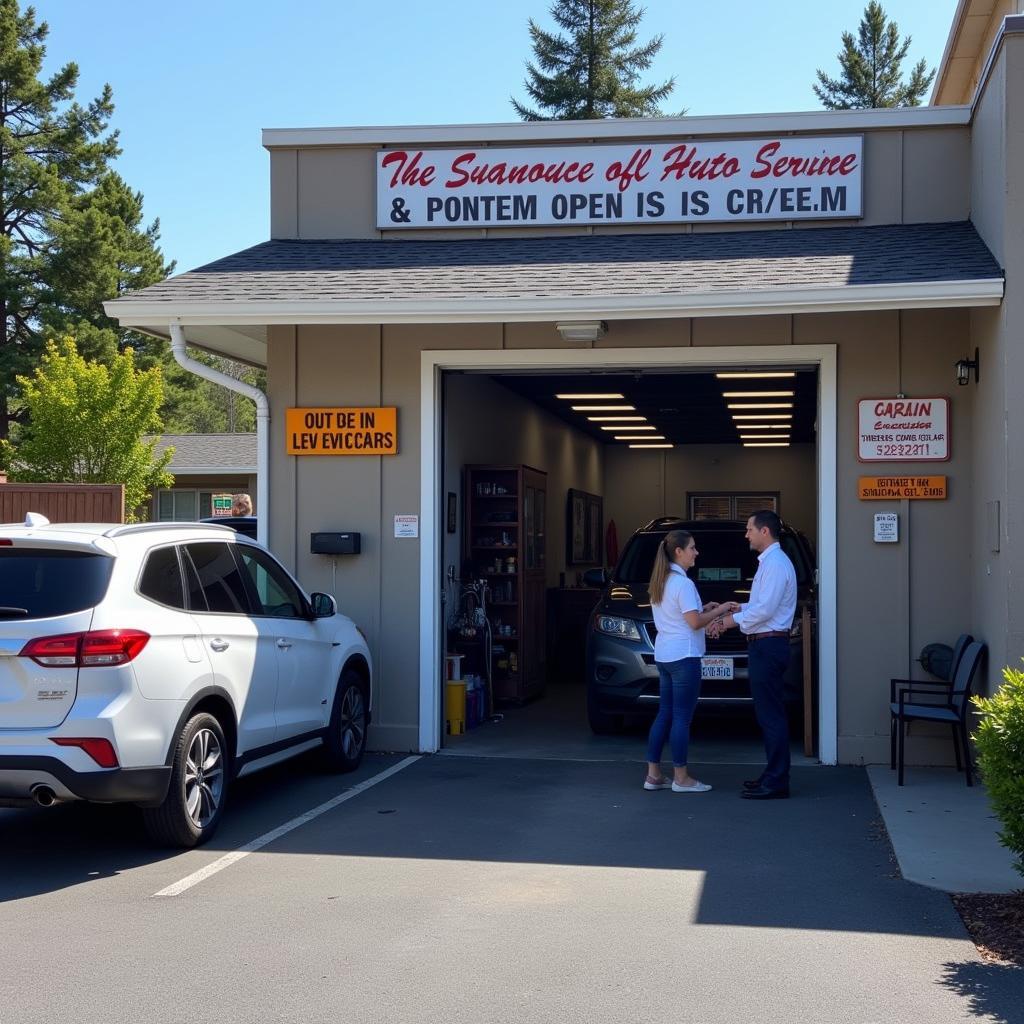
[1000, 741]
[199, 406]
[871, 68]
[71, 231]
[593, 70]
[87, 423]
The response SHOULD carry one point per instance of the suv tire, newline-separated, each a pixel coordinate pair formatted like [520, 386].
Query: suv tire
[346, 733]
[601, 722]
[198, 790]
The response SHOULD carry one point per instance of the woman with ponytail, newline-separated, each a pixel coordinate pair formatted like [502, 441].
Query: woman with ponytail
[680, 619]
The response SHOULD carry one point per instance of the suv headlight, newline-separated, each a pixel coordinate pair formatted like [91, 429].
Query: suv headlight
[625, 629]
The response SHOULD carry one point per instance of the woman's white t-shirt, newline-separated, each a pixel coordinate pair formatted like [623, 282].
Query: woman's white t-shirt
[675, 639]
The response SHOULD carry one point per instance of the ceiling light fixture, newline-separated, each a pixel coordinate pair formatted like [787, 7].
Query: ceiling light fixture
[764, 437]
[651, 446]
[616, 419]
[581, 330]
[763, 426]
[773, 375]
[765, 444]
[757, 394]
[588, 397]
[762, 415]
[639, 426]
[639, 437]
[603, 408]
[760, 405]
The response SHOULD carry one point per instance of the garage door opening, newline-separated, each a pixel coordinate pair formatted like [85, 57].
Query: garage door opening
[556, 488]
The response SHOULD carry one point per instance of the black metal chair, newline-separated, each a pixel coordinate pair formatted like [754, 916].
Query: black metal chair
[949, 702]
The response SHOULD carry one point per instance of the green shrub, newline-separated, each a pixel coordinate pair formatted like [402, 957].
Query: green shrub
[1000, 741]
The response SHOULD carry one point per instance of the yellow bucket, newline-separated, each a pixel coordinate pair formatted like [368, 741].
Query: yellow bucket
[455, 706]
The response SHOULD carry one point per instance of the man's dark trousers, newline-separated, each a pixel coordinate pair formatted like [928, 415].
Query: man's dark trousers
[767, 660]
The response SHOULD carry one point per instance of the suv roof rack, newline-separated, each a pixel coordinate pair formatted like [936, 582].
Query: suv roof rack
[123, 528]
[654, 524]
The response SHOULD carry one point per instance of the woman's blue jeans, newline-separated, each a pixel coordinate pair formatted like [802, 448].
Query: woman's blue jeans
[680, 688]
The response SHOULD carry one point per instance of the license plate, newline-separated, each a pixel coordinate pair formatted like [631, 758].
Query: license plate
[716, 668]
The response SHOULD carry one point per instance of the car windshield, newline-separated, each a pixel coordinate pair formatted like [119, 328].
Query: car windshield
[46, 582]
[722, 558]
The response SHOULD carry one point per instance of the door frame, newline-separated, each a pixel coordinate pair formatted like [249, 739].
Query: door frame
[432, 367]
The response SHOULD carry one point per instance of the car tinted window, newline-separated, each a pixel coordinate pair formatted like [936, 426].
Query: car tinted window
[220, 578]
[161, 578]
[722, 557]
[47, 582]
[797, 555]
[196, 599]
[271, 585]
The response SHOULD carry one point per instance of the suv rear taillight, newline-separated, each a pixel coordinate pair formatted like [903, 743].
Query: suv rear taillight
[100, 750]
[101, 647]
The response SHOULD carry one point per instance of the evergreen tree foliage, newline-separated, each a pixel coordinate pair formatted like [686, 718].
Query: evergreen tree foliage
[71, 231]
[86, 424]
[593, 69]
[871, 68]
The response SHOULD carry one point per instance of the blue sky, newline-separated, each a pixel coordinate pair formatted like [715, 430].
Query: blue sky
[195, 82]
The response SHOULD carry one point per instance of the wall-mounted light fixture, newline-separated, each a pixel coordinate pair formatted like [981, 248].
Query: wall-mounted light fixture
[964, 367]
[581, 330]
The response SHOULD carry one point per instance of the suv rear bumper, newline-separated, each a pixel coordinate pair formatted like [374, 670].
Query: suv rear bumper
[19, 774]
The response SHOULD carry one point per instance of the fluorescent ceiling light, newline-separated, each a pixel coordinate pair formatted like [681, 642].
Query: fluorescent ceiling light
[639, 437]
[588, 397]
[760, 405]
[757, 394]
[604, 408]
[650, 446]
[762, 426]
[616, 419]
[639, 426]
[762, 415]
[765, 444]
[774, 374]
[764, 437]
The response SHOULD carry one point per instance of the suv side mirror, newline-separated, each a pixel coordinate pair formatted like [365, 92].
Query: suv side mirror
[324, 606]
[595, 578]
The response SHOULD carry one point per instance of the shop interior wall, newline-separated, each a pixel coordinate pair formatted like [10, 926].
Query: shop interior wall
[489, 424]
[642, 485]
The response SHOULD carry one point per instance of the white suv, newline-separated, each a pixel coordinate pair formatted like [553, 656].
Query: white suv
[154, 663]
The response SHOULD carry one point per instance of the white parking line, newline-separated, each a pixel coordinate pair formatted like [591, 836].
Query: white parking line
[268, 837]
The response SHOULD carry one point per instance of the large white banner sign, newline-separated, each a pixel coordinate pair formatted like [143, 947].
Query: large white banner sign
[666, 183]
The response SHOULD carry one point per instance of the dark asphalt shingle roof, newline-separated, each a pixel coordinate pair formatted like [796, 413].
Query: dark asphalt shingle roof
[586, 265]
[226, 452]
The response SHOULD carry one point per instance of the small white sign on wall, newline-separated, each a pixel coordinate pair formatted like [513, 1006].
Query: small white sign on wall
[887, 527]
[407, 526]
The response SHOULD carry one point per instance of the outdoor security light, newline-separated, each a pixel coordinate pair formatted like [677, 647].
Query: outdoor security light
[582, 330]
[964, 367]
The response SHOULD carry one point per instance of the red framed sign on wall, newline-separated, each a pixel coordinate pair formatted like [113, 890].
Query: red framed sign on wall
[903, 430]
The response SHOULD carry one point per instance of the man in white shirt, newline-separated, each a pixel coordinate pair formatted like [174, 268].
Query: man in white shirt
[766, 620]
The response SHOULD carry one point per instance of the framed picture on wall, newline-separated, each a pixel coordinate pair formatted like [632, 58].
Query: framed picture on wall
[453, 511]
[584, 522]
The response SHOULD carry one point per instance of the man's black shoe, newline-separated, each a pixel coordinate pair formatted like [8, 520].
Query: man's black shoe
[761, 793]
[751, 783]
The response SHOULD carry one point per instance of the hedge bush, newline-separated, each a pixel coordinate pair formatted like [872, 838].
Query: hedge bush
[1000, 742]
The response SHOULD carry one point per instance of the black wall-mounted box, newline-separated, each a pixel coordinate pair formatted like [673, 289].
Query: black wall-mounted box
[334, 543]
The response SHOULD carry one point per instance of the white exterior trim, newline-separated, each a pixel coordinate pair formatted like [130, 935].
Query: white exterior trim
[620, 128]
[843, 298]
[431, 366]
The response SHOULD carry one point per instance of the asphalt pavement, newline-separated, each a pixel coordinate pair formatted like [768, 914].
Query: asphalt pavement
[466, 889]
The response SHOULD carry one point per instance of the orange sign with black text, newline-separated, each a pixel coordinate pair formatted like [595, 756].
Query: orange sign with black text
[335, 430]
[881, 488]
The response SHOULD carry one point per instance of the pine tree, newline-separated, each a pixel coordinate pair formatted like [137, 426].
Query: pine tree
[871, 68]
[593, 70]
[70, 229]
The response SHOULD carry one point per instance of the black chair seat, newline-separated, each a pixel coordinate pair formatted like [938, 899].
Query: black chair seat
[926, 712]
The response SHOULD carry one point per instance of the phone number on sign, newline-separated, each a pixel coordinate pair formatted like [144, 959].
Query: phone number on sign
[903, 450]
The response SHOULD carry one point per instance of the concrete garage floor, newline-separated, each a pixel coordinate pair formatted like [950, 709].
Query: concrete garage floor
[554, 726]
[487, 890]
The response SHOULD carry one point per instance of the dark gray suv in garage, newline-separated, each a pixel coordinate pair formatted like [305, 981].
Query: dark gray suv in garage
[621, 675]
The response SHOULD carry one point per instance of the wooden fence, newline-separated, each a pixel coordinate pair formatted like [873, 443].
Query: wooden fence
[62, 503]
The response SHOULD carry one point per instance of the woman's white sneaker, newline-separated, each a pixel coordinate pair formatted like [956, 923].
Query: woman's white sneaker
[694, 787]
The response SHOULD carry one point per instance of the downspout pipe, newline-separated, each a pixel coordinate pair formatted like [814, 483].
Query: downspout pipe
[262, 424]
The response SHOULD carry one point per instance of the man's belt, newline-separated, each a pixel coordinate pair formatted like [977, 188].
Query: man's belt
[751, 637]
